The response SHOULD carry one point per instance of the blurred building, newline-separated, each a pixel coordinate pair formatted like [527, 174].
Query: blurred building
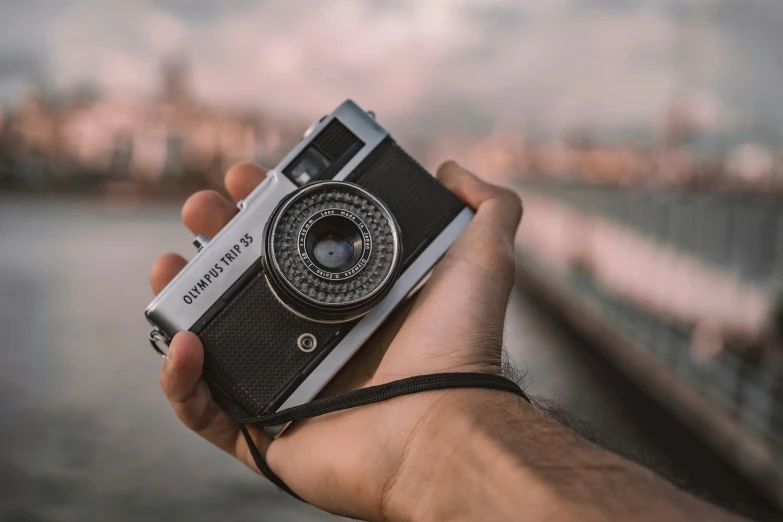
[66, 140]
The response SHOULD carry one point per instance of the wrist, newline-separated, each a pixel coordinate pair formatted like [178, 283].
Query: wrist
[451, 466]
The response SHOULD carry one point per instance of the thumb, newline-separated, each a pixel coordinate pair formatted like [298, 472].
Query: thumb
[457, 322]
[498, 204]
[489, 239]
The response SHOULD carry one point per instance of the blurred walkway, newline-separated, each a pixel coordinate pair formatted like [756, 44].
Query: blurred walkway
[563, 367]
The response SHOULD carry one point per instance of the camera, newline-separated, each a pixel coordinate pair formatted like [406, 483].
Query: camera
[341, 232]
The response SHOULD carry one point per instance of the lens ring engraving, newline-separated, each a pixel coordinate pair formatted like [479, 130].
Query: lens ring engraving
[363, 256]
[324, 293]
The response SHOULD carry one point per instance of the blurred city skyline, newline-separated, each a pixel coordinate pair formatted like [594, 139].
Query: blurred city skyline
[611, 68]
[673, 91]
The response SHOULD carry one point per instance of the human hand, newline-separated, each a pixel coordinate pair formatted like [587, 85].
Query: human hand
[351, 462]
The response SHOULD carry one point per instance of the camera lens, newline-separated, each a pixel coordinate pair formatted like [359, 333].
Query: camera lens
[334, 242]
[332, 251]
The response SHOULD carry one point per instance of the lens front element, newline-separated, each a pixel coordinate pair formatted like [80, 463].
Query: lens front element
[335, 244]
[332, 251]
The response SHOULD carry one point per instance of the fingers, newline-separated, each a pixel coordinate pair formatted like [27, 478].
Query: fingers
[164, 269]
[242, 178]
[206, 212]
[191, 399]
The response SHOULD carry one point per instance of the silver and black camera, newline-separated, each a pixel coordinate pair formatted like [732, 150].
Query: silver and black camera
[338, 235]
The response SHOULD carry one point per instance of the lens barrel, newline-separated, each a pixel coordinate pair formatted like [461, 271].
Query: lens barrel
[332, 251]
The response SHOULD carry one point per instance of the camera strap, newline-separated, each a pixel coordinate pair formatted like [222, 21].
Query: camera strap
[364, 396]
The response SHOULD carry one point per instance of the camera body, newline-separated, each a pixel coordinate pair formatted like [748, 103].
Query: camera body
[340, 233]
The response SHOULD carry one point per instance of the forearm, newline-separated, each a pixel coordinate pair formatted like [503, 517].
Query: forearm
[489, 456]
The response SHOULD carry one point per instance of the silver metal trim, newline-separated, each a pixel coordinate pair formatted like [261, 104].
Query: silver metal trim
[364, 127]
[351, 343]
[156, 338]
[309, 131]
[200, 241]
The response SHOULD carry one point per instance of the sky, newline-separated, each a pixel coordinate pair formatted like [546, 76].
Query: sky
[613, 66]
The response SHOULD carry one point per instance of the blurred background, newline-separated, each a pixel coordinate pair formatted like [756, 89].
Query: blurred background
[646, 138]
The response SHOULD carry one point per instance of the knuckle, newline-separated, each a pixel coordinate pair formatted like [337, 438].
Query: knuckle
[201, 421]
[512, 199]
[509, 203]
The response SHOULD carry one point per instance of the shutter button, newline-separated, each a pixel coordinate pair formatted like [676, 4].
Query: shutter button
[200, 241]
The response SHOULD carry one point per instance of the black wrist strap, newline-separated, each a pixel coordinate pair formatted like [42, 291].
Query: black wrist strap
[364, 396]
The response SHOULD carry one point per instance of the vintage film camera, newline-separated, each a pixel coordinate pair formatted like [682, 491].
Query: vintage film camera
[338, 235]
